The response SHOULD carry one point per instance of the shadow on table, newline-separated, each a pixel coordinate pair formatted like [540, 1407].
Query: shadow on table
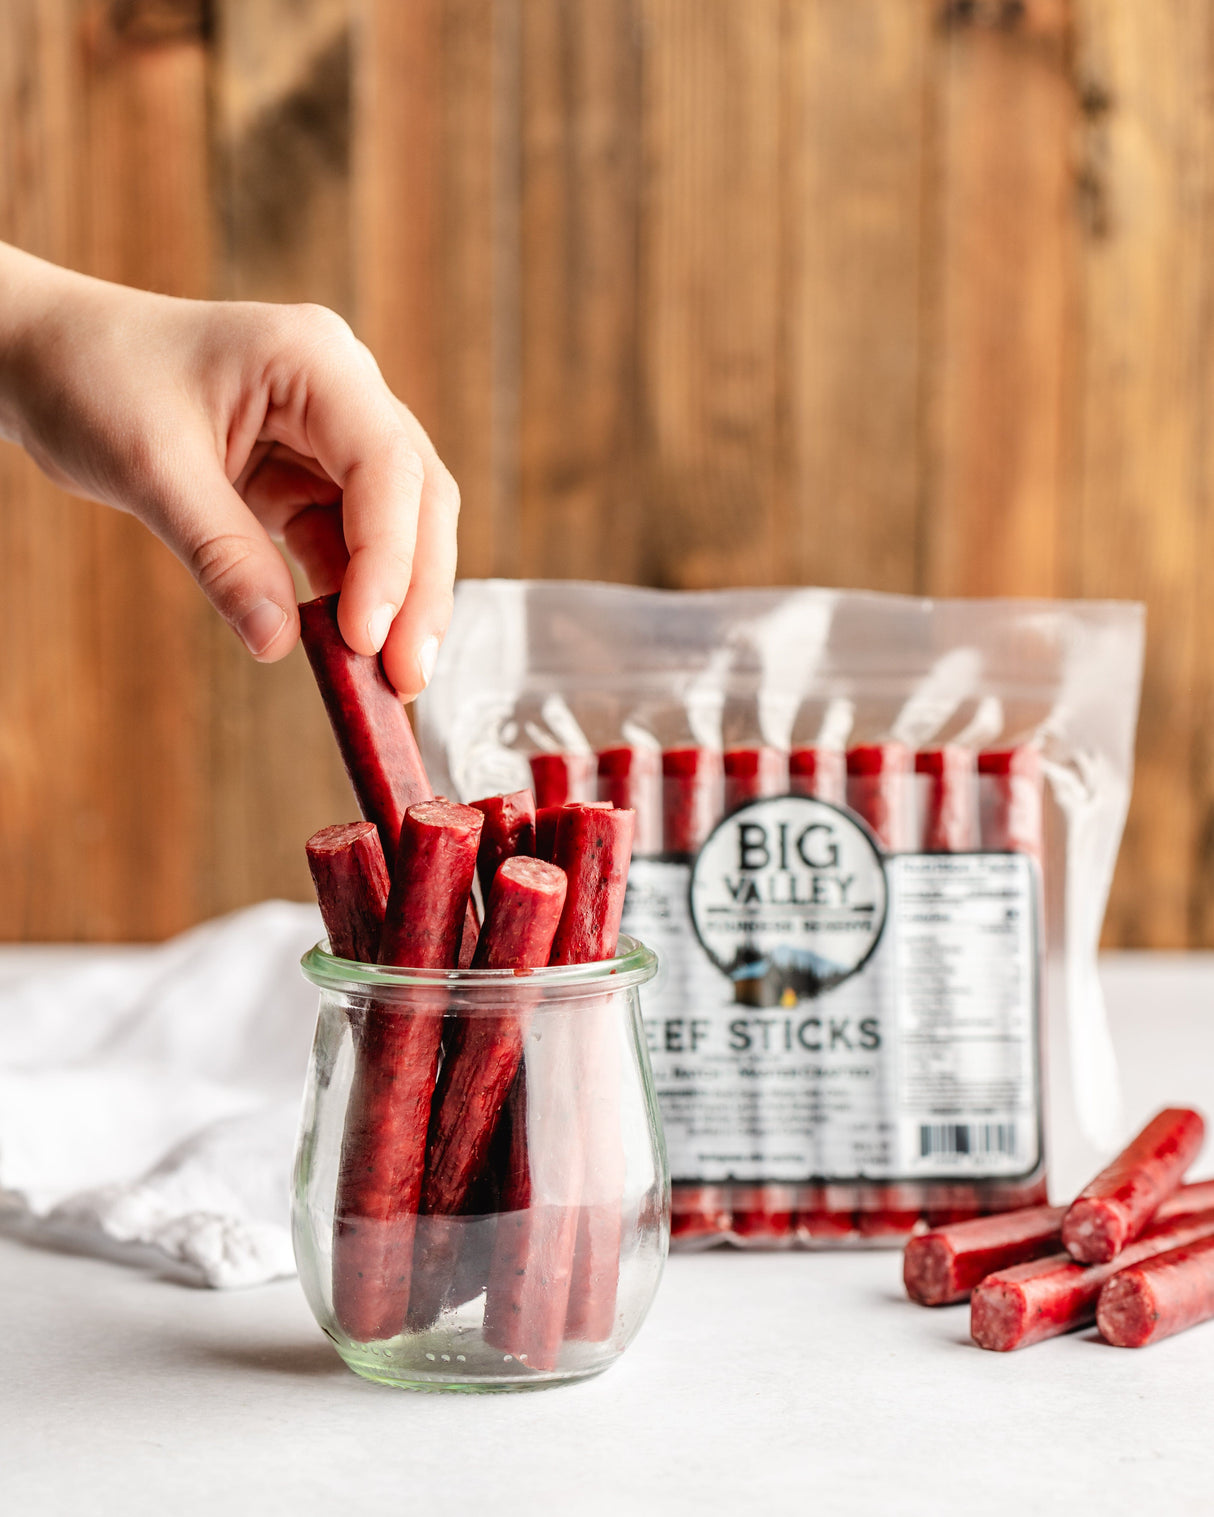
[297, 1361]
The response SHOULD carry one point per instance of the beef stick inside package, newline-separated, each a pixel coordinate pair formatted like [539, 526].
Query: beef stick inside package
[874, 841]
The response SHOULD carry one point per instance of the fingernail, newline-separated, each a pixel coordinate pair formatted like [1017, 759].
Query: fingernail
[427, 657]
[379, 624]
[259, 627]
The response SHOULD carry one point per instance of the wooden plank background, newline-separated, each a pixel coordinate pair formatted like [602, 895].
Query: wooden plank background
[908, 294]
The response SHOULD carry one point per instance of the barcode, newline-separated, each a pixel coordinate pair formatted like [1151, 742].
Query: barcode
[967, 1138]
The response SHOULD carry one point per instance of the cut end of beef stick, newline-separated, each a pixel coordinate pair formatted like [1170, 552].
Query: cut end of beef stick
[630, 779]
[384, 1142]
[369, 721]
[1112, 1210]
[561, 778]
[509, 830]
[431, 885]
[1028, 1303]
[1159, 1297]
[480, 1062]
[945, 1265]
[351, 881]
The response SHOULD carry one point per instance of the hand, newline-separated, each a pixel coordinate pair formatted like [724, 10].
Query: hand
[225, 425]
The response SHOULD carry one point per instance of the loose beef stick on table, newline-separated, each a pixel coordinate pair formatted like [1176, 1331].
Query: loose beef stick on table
[1028, 1303]
[879, 792]
[384, 1143]
[1011, 821]
[824, 1212]
[950, 825]
[692, 804]
[541, 1286]
[759, 1213]
[944, 1265]
[1158, 1297]
[1115, 1207]
[480, 1060]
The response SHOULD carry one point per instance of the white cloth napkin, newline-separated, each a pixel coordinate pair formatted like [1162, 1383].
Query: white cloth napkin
[149, 1097]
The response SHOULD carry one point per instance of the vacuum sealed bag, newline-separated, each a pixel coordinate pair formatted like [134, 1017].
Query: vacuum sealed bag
[874, 841]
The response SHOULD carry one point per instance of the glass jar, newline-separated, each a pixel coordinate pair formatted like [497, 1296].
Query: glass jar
[481, 1199]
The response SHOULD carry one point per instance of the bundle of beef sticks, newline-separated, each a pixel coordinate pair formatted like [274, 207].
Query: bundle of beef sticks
[436, 1137]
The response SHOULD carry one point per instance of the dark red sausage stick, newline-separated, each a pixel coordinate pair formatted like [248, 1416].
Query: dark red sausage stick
[535, 1259]
[480, 1060]
[824, 1212]
[596, 851]
[1011, 800]
[369, 722]
[950, 821]
[560, 778]
[944, 1265]
[759, 1213]
[1158, 1297]
[1011, 821]
[509, 831]
[1048, 1297]
[692, 803]
[1120, 1201]
[594, 848]
[879, 792]
[384, 1143]
[818, 772]
[950, 825]
[630, 778]
[431, 882]
[351, 881]
[545, 831]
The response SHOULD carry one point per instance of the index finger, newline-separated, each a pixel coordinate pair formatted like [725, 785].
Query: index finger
[329, 400]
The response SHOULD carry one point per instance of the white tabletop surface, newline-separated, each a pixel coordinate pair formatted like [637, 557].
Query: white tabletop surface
[761, 1383]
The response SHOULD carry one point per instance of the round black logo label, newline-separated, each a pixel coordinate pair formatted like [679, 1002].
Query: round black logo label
[788, 898]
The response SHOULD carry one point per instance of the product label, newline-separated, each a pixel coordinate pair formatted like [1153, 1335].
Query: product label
[823, 1013]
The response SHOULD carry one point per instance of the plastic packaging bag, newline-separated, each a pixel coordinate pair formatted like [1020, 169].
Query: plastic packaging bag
[875, 836]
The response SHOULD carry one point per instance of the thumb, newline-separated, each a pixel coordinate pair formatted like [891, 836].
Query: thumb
[236, 564]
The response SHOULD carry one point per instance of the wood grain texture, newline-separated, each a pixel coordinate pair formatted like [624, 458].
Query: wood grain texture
[710, 289]
[854, 91]
[1001, 251]
[1146, 76]
[909, 294]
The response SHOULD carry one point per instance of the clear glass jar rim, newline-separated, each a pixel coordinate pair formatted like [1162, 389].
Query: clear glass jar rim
[634, 964]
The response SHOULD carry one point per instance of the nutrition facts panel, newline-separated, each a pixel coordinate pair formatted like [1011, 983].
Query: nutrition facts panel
[965, 1013]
